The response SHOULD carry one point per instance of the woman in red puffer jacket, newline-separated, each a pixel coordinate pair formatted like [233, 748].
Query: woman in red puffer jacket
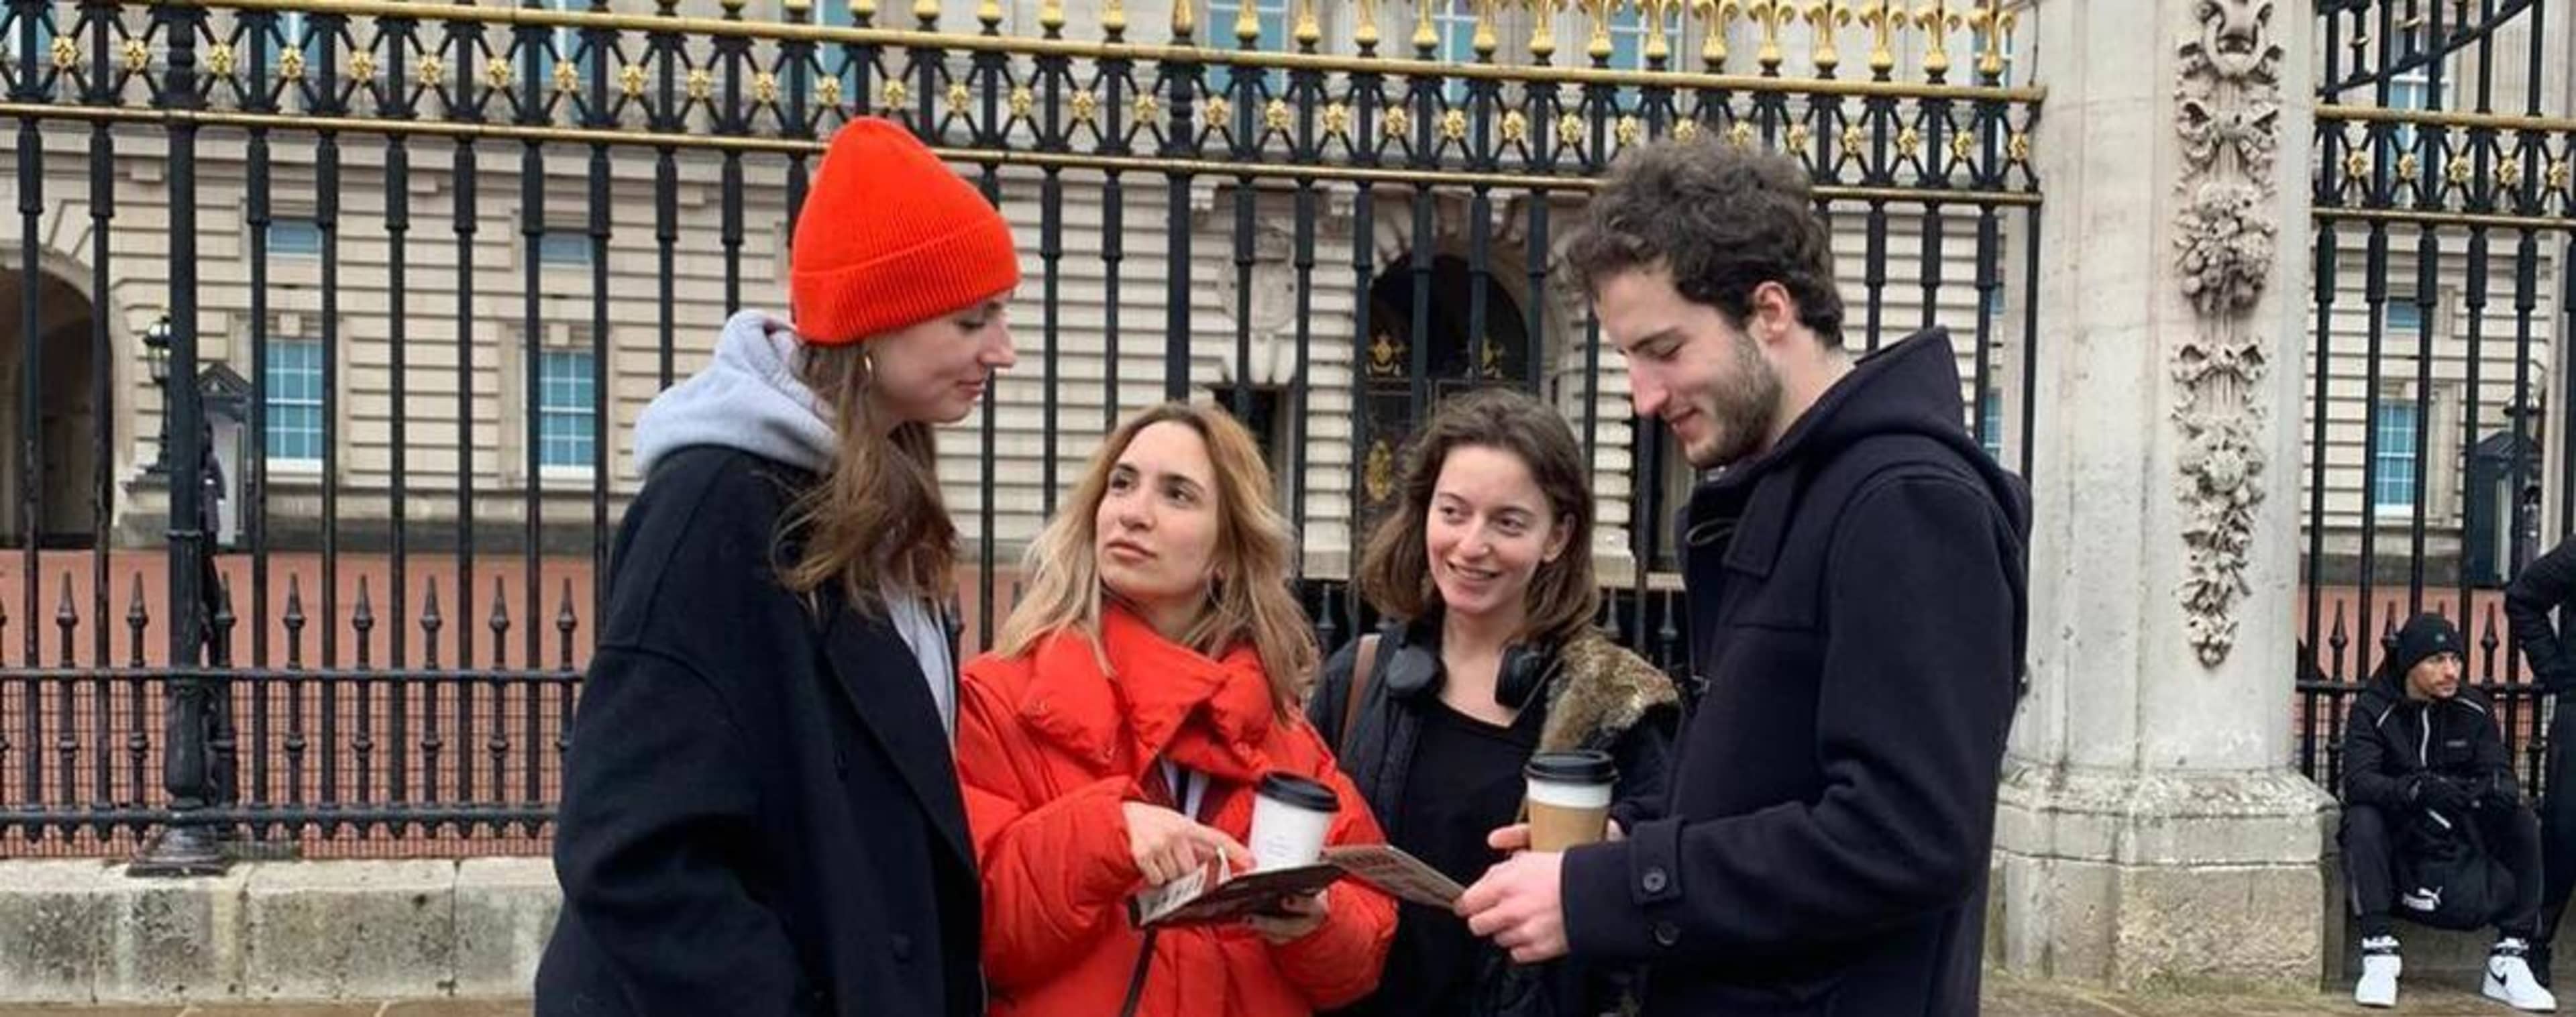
[1142, 687]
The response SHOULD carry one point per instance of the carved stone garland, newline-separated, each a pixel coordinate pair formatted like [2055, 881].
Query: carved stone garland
[2228, 112]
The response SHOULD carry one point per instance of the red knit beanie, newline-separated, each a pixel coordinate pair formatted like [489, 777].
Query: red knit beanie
[890, 237]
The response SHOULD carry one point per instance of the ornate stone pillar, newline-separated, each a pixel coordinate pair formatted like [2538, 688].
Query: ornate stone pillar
[2151, 827]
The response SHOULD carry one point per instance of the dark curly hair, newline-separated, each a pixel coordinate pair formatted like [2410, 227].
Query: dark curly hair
[1723, 218]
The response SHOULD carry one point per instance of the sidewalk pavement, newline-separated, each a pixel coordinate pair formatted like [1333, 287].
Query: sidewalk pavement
[2004, 998]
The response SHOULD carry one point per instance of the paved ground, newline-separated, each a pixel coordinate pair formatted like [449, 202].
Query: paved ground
[2004, 998]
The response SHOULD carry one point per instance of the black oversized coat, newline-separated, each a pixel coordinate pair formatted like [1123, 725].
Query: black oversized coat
[760, 813]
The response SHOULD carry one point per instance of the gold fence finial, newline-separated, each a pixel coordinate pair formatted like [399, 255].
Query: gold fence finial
[1113, 19]
[1051, 17]
[1485, 42]
[1937, 21]
[1247, 24]
[1771, 16]
[1600, 49]
[926, 12]
[1542, 40]
[1994, 27]
[1717, 19]
[1658, 16]
[1883, 18]
[733, 9]
[1184, 20]
[863, 12]
[1364, 35]
[1826, 16]
[1310, 29]
[1426, 35]
[989, 13]
[796, 10]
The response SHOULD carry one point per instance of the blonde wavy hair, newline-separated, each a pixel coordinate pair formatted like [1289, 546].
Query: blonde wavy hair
[1252, 604]
[875, 519]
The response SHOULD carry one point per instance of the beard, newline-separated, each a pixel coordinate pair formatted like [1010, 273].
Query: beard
[1741, 411]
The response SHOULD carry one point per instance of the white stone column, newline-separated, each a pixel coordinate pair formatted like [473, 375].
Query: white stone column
[2151, 826]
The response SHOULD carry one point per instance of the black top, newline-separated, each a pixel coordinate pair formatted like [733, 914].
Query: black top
[1471, 771]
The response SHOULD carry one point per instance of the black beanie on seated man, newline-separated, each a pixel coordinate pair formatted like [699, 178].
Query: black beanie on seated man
[2423, 636]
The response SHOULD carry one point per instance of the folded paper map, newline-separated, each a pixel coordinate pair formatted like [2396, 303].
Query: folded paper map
[1212, 895]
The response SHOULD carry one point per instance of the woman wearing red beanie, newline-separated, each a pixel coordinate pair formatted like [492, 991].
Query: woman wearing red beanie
[1142, 689]
[760, 811]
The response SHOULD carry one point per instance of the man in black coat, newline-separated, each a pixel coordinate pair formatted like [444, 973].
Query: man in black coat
[1856, 584]
[2421, 748]
[2545, 586]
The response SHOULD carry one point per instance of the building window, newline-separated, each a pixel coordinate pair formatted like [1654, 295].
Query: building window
[294, 34]
[568, 49]
[295, 238]
[1628, 39]
[2404, 319]
[292, 388]
[28, 34]
[567, 398]
[1273, 17]
[1990, 422]
[1454, 22]
[833, 59]
[2414, 88]
[2399, 428]
[563, 249]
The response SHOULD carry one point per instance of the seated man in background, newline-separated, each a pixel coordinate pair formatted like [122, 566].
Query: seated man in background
[2421, 749]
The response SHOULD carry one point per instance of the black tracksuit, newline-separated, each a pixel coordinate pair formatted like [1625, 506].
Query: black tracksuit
[2392, 747]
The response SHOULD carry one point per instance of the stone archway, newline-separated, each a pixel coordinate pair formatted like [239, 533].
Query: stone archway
[69, 443]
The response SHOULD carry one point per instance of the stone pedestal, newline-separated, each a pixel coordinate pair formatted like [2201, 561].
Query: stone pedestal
[2151, 829]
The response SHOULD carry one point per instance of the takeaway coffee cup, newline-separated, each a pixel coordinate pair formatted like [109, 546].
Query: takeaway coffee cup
[1290, 815]
[1569, 798]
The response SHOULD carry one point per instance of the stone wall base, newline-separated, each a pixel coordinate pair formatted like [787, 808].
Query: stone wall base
[2205, 881]
[82, 931]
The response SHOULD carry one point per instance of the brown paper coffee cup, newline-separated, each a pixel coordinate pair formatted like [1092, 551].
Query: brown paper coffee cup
[1569, 798]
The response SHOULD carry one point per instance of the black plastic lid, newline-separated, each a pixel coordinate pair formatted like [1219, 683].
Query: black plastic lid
[1290, 789]
[1583, 766]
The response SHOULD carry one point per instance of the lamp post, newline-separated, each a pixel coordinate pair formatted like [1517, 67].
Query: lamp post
[156, 356]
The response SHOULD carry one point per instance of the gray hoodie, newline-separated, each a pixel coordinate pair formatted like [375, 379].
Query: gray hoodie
[750, 398]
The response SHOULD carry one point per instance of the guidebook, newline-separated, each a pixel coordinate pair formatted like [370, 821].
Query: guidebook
[1213, 894]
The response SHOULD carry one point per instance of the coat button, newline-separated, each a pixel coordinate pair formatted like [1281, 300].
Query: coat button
[1655, 880]
[1667, 934]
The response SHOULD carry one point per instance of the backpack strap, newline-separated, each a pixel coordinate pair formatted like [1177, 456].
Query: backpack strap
[1363, 661]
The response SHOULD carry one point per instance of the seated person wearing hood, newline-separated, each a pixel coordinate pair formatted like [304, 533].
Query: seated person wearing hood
[2419, 742]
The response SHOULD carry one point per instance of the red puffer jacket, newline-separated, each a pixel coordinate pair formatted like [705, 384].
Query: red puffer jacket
[1049, 747]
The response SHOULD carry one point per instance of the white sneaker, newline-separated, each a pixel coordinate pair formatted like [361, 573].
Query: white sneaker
[2509, 980]
[2379, 967]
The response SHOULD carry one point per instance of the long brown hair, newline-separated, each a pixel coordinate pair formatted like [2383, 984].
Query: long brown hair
[875, 519]
[1253, 544]
[1395, 569]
